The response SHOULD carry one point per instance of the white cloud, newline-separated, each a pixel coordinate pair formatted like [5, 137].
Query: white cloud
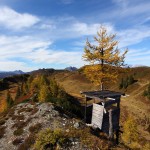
[13, 20]
[133, 36]
[14, 65]
[138, 57]
[56, 57]
[15, 46]
[33, 50]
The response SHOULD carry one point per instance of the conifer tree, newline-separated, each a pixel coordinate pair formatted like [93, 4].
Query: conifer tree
[9, 99]
[105, 58]
[43, 93]
[18, 93]
[54, 88]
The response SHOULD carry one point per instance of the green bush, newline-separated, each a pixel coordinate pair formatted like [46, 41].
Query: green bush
[50, 139]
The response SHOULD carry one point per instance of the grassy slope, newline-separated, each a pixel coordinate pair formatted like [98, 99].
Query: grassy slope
[134, 104]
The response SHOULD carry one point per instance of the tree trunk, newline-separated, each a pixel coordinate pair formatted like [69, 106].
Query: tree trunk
[102, 69]
[102, 86]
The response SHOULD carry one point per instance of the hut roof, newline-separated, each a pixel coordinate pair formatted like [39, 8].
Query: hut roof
[102, 94]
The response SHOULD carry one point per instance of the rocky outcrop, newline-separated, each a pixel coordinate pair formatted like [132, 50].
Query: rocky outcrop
[25, 118]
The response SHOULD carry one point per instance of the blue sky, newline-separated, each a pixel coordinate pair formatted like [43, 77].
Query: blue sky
[52, 33]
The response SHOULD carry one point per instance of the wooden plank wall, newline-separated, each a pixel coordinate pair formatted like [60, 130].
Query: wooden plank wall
[97, 115]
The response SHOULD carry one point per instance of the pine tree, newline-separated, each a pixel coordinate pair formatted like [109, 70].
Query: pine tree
[105, 58]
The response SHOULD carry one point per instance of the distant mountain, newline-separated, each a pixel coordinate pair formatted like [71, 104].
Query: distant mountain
[44, 71]
[4, 74]
[71, 68]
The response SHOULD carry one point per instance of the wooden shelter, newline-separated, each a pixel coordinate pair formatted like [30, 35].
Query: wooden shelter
[105, 110]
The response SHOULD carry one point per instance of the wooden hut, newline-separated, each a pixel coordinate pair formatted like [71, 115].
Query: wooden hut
[105, 110]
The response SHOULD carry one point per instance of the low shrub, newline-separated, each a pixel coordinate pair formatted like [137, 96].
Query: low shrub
[50, 139]
[35, 128]
[18, 132]
[2, 122]
[30, 140]
[17, 141]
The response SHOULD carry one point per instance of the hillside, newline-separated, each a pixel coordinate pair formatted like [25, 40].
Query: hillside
[133, 104]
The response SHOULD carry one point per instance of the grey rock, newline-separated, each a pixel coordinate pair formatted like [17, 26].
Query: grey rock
[76, 125]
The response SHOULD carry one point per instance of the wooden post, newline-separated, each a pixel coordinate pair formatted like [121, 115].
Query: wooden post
[117, 136]
[85, 109]
[110, 125]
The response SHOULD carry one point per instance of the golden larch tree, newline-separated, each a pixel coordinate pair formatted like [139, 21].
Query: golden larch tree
[43, 93]
[105, 58]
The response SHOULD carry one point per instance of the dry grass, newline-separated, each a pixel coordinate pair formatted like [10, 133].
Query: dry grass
[18, 117]
[19, 124]
[35, 110]
[25, 110]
